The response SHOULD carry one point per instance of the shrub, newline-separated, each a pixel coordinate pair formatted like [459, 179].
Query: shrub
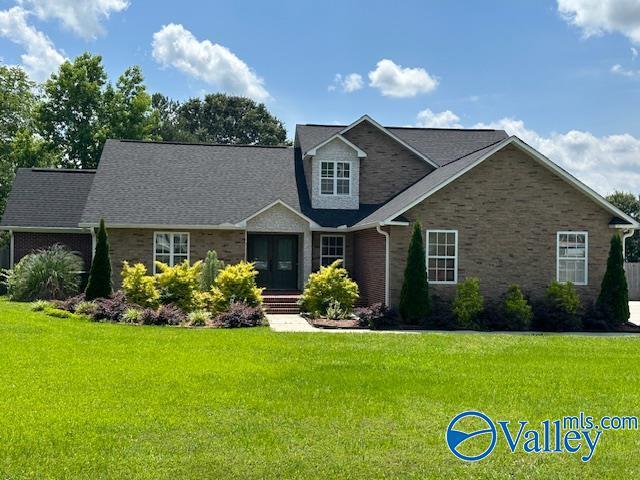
[239, 315]
[85, 308]
[138, 287]
[559, 311]
[40, 305]
[110, 309]
[57, 312]
[99, 284]
[336, 312]
[235, 283]
[516, 310]
[375, 317]
[132, 315]
[595, 320]
[415, 303]
[47, 274]
[613, 300]
[177, 285]
[198, 318]
[70, 303]
[210, 269]
[468, 303]
[330, 284]
[148, 316]
[170, 315]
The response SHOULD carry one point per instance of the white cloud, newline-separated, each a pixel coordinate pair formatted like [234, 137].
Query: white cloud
[395, 81]
[604, 163]
[41, 57]
[428, 119]
[625, 72]
[82, 17]
[634, 53]
[596, 17]
[175, 46]
[348, 83]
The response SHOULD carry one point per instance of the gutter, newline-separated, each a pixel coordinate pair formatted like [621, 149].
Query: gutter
[626, 234]
[386, 263]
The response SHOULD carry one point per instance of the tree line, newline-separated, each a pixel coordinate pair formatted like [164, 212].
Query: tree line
[65, 121]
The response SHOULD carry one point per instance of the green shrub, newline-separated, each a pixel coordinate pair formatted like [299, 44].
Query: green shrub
[516, 310]
[336, 312]
[198, 318]
[210, 269]
[132, 315]
[57, 312]
[85, 308]
[330, 284]
[561, 307]
[415, 303]
[48, 274]
[99, 284]
[178, 285]
[235, 283]
[39, 305]
[613, 300]
[138, 287]
[468, 303]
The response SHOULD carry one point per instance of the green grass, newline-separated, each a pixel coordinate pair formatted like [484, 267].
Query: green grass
[87, 400]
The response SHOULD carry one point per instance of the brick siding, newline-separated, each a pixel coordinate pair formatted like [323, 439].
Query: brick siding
[136, 245]
[27, 242]
[369, 265]
[508, 211]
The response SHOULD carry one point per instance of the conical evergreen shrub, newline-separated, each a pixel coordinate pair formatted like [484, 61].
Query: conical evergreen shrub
[415, 304]
[613, 300]
[99, 285]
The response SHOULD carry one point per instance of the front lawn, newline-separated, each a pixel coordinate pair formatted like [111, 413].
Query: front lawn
[95, 400]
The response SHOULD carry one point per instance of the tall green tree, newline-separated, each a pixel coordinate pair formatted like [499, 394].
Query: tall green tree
[613, 300]
[221, 118]
[415, 304]
[71, 115]
[629, 204]
[99, 284]
[164, 120]
[128, 107]
[19, 145]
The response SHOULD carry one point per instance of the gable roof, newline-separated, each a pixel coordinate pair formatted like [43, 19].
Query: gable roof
[339, 137]
[188, 185]
[47, 198]
[438, 146]
[448, 173]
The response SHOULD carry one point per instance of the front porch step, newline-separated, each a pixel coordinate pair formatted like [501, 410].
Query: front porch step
[286, 302]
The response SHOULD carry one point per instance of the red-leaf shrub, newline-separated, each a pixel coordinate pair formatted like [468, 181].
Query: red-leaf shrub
[239, 315]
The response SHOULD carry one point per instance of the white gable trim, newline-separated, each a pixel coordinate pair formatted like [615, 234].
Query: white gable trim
[367, 118]
[243, 223]
[513, 140]
[361, 153]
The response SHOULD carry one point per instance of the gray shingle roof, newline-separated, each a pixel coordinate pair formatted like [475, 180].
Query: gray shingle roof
[440, 145]
[155, 183]
[47, 198]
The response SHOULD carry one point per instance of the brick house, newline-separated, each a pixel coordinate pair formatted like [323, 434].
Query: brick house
[490, 206]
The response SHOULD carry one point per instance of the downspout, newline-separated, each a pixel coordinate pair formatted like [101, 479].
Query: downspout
[11, 249]
[93, 243]
[626, 234]
[386, 263]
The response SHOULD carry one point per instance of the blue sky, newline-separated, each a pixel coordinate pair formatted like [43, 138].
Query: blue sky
[563, 75]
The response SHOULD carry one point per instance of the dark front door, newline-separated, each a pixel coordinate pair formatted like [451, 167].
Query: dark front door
[276, 259]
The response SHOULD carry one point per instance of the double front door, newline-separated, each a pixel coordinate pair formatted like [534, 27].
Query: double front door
[276, 259]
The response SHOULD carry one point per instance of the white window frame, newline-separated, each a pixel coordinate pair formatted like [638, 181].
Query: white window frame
[586, 255]
[335, 178]
[448, 257]
[171, 243]
[344, 249]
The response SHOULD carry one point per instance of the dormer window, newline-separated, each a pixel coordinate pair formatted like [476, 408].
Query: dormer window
[335, 178]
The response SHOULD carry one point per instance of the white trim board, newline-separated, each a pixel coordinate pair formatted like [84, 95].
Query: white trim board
[312, 152]
[513, 140]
